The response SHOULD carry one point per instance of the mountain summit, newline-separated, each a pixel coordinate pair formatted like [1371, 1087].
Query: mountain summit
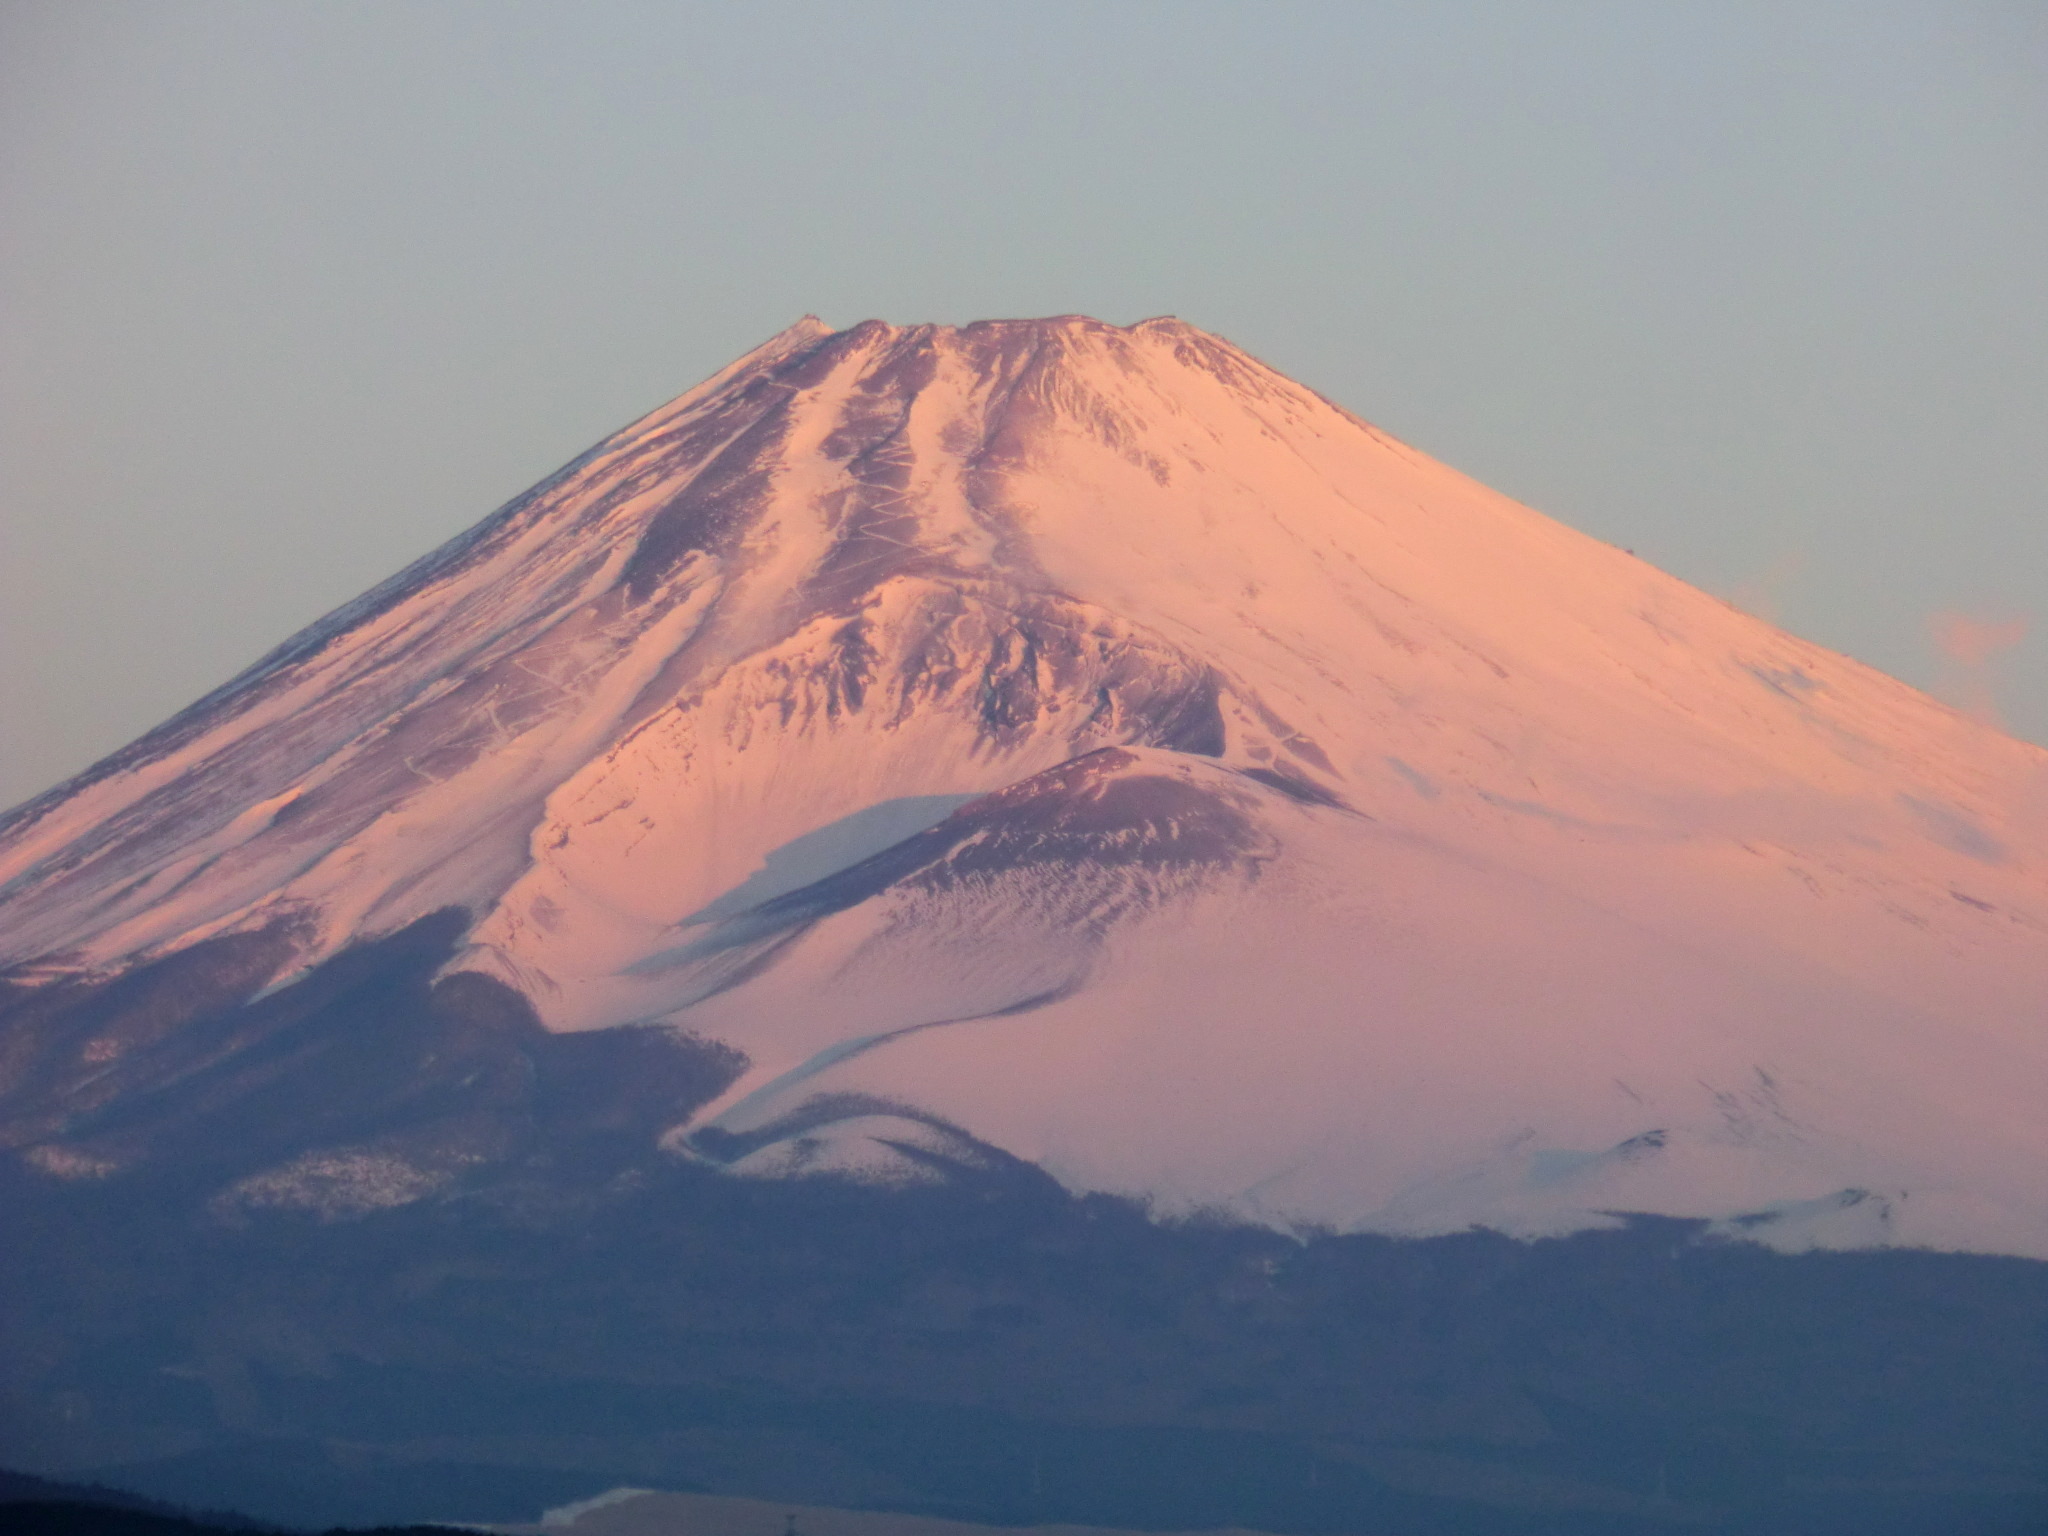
[1081, 745]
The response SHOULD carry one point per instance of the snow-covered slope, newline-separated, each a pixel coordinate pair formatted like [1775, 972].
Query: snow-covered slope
[1087, 743]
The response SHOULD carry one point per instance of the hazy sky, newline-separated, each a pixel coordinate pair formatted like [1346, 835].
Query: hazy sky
[291, 292]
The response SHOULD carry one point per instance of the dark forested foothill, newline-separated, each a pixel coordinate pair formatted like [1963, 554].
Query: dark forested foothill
[995, 1348]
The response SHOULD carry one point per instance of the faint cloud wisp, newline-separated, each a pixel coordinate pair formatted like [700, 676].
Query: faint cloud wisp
[1763, 595]
[1968, 646]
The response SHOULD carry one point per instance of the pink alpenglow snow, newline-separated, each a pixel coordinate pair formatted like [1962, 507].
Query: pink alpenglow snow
[1084, 742]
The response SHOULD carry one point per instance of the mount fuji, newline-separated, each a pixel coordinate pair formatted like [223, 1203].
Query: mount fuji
[1048, 743]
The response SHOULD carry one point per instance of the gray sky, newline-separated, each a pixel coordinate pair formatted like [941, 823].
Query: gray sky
[290, 292]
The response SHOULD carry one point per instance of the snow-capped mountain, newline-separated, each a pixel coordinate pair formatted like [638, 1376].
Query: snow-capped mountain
[1082, 743]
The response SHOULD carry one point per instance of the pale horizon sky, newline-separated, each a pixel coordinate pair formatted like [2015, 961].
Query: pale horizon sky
[290, 294]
